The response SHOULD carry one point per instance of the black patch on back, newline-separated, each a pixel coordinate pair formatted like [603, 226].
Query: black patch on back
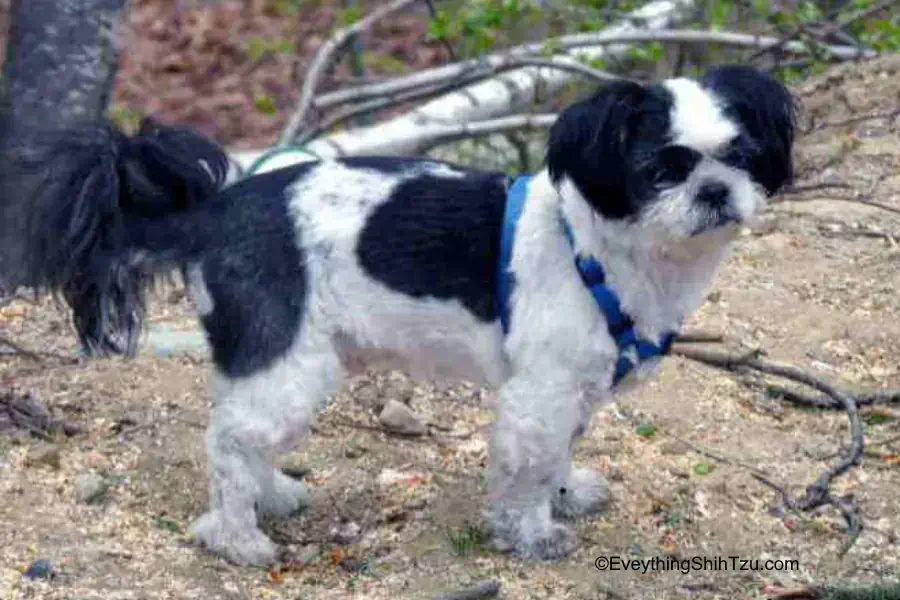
[255, 274]
[439, 237]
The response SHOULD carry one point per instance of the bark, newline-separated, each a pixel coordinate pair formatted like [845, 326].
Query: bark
[61, 61]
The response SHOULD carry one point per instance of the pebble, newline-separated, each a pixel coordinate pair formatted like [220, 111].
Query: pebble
[399, 418]
[40, 569]
[90, 488]
[674, 448]
[345, 533]
[355, 448]
[369, 396]
[48, 457]
[308, 554]
[166, 342]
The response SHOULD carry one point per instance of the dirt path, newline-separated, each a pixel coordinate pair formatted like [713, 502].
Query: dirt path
[815, 287]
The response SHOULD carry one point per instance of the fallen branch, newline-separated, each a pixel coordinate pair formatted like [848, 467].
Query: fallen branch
[812, 187]
[818, 493]
[700, 337]
[829, 403]
[445, 135]
[485, 589]
[889, 114]
[515, 93]
[26, 412]
[864, 201]
[828, 26]
[446, 73]
[322, 61]
[37, 356]
[476, 76]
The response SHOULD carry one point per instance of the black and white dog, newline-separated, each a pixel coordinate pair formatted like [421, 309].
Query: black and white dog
[552, 288]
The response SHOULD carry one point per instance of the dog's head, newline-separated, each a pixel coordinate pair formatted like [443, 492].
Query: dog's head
[679, 158]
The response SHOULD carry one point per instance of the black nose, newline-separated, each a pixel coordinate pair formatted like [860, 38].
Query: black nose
[713, 194]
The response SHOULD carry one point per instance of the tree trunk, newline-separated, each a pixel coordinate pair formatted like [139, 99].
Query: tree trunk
[61, 61]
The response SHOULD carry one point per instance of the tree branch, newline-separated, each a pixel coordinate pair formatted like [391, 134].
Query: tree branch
[378, 104]
[829, 26]
[514, 93]
[568, 43]
[323, 60]
[485, 589]
[817, 494]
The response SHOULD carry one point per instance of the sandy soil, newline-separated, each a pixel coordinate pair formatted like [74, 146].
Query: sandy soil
[816, 286]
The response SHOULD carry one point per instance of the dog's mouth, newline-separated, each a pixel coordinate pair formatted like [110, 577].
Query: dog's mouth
[718, 218]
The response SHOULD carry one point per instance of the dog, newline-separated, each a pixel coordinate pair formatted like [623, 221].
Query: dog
[557, 289]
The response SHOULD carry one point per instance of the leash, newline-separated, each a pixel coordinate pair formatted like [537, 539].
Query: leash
[276, 151]
[632, 348]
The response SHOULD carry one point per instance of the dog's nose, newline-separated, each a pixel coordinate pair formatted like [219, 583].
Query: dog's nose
[713, 194]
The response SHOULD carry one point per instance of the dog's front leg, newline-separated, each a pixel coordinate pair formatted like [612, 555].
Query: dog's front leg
[530, 463]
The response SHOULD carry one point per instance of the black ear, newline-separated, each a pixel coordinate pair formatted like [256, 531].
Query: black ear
[589, 143]
[767, 113]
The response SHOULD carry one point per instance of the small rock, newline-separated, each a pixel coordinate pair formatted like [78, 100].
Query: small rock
[308, 554]
[345, 533]
[90, 488]
[674, 448]
[355, 448]
[295, 470]
[40, 569]
[166, 343]
[47, 457]
[389, 477]
[399, 418]
[369, 396]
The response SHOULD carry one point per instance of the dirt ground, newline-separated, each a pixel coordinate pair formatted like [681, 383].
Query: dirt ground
[815, 285]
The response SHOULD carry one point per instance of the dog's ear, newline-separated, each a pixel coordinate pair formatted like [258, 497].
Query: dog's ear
[589, 144]
[766, 112]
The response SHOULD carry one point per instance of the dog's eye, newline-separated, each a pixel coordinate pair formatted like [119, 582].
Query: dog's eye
[675, 163]
[739, 153]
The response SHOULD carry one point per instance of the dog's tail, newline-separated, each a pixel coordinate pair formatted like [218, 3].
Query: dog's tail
[111, 211]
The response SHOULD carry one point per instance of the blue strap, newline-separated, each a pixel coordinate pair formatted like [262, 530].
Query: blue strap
[506, 281]
[619, 324]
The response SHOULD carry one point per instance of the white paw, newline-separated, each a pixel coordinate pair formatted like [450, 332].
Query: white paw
[242, 545]
[555, 541]
[584, 493]
[284, 497]
[532, 535]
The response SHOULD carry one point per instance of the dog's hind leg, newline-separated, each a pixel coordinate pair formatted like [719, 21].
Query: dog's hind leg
[255, 419]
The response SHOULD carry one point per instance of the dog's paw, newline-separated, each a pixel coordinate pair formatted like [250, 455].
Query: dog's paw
[531, 537]
[285, 497]
[242, 546]
[584, 493]
[555, 541]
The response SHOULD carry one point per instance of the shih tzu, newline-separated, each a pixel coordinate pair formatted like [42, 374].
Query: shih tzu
[556, 289]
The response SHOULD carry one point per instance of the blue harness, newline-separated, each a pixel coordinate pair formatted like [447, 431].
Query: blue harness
[620, 325]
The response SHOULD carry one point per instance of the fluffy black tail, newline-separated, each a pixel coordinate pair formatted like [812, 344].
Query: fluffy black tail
[105, 219]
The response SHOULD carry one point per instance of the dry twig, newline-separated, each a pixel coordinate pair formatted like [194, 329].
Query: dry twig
[485, 589]
[818, 493]
[827, 25]
[27, 412]
[322, 61]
